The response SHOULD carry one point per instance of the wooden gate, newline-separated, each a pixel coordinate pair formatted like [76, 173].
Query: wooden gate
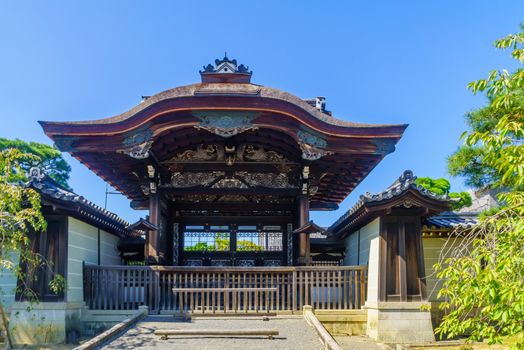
[224, 290]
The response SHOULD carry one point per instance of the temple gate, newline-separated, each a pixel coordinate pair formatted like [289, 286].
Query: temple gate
[228, 170]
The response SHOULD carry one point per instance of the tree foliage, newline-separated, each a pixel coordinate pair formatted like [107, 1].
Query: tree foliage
[248, 246]
[19, 206]
[484, 274]
[219, 242]
[442, 187]
[19, 214]
[34, 154]
[468, 163]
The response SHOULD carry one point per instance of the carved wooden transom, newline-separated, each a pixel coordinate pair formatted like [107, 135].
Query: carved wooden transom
[238, 180]
[231, 155]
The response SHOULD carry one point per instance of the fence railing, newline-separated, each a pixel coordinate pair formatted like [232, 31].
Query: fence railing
[224, 289]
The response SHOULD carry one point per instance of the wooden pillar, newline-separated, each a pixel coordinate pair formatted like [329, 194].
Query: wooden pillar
[154, 218]
[304, 251]
[401, 268]
[402, 274]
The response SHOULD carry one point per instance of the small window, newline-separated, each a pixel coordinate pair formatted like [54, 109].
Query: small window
[259, 241]
[247, 228]
[206, 241]
[195, 227]
[272, 228]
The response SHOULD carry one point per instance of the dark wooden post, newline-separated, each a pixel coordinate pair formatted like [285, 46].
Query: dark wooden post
[154, 218]
[303, 238]
[402, 275]
[401, 268]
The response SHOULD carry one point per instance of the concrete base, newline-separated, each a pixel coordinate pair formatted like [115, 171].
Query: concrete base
[45, 323]
[343, 322]
[399, 322]
[60, 322]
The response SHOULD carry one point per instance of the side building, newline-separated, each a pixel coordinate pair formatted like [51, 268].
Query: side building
[399, 234]
[78, 232]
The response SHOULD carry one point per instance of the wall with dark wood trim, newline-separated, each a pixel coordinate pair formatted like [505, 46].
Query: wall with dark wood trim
[358, 244]
[83, 247]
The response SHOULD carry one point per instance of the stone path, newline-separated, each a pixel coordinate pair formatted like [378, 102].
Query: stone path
[295, 334]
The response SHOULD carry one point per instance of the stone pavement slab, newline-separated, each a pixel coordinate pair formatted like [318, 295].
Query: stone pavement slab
[295, 334]
[358, 343]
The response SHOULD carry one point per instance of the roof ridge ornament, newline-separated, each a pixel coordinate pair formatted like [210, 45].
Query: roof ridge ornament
[407, 176]
[36, 174]
[226, 71]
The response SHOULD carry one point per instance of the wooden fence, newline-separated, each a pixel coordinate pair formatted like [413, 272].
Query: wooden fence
[224, 289]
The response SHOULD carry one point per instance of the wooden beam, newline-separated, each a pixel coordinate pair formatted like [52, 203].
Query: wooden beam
[231, 191]
[225, 289]
[248, 219]
[232, 206]
[164, 333]
[320, 206]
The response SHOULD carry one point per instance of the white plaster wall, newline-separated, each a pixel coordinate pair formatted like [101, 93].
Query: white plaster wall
[82, 245]
[373, 270]
[351, 243]
[432, 249]
[367, 234]
[8, 281]
[354, 255]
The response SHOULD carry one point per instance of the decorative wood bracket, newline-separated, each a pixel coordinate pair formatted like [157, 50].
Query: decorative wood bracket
[225, 124]
[312, 146]
[384, 146]
[138, 144]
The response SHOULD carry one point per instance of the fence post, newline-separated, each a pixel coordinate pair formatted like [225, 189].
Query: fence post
[294, 289]
[157, 289]
[148, 284]
[84, 282]
[362, 288]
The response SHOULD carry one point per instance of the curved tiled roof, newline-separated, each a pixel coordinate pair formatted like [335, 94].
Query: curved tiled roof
[171, 121]
[208, 89]
[83, 208]
[450, 220]
[403, 184]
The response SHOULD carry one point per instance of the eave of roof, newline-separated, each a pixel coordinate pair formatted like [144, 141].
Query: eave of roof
[206, 89]
[364, 210]
[451, 220]
[76, 205]
[310, 228]
[142, 225]
[356, 145]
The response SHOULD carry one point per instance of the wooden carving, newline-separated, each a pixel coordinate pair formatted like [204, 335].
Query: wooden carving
[270, 180]
[202, 152]
[312, 146]
[242, 153]
[187, 179]
[226, 125]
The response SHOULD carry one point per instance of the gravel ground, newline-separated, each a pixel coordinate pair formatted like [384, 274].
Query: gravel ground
[295, 334]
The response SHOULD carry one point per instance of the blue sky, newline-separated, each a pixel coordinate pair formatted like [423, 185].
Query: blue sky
[375, 61]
